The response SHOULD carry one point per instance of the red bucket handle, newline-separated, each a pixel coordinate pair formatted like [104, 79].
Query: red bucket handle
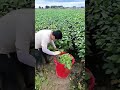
[62, 53]
[55, 61]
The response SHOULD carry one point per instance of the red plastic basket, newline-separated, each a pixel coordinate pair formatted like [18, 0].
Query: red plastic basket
[61, 71]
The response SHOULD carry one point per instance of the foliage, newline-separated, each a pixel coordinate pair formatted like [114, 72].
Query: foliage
[65, 59]
[103, 24]
[40, 78]
[9, 5]
[72, 24]
[79, 78]
[37, 82]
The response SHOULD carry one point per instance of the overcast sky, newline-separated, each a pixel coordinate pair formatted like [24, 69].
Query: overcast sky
[65, 3]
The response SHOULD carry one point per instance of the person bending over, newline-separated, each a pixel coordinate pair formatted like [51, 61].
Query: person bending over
[43, 38]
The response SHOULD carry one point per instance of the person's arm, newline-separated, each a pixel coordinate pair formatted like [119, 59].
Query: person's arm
[44, 48]
[53, 44]
[23, 38]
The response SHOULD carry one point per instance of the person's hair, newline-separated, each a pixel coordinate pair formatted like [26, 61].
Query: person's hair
[57, 34]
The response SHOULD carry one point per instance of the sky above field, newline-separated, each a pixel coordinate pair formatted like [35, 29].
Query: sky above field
[65, 3]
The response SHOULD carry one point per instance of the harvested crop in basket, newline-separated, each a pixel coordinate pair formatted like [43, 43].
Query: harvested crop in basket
[66, 59]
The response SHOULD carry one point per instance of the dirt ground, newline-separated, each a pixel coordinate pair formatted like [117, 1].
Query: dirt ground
[49, 79]
[52, 82]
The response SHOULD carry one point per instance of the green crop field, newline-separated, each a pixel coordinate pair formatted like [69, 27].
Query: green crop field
[72, 24]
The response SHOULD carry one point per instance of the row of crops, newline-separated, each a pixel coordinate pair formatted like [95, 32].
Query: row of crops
[72, 24]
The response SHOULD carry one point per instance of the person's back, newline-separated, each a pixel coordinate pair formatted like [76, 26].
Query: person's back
[42, 35]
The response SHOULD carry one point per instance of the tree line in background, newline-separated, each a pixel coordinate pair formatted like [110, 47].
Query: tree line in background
[61, 7]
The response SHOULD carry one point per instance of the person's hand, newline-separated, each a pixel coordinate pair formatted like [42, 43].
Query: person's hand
[62, 50]
[57, 52]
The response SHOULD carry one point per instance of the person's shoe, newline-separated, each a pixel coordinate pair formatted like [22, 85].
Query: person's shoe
[47, 62]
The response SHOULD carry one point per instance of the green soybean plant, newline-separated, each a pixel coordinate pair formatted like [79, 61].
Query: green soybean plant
[66, 59]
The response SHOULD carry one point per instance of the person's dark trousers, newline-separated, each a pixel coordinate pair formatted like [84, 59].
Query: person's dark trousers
[44, 55]
[16, 75]
[9, 67]
[28, 73]
[40, 57]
